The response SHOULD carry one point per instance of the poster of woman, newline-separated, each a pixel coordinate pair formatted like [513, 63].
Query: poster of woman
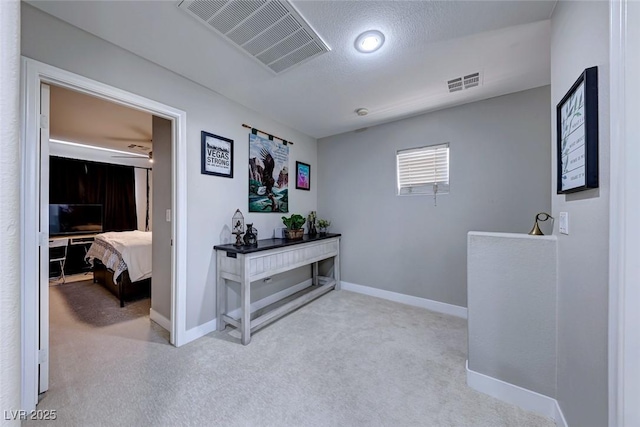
[268, 175]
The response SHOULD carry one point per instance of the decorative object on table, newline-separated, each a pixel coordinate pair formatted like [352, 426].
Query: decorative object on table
[237, 226]
[542, 216]
[303, 176]
[268, 175]
[323, 226]
[311, 224]
[294, 225]
[217, 155]
[251, 236]
[577, 135]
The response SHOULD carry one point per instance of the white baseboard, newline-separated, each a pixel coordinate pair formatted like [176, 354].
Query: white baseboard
[160, 319]
[559, 416]
[437, 306]
[515, 395]
[257, 305]
[206, 328]
[200, 331]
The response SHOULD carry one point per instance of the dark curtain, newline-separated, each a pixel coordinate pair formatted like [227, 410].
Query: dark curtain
[84, 182]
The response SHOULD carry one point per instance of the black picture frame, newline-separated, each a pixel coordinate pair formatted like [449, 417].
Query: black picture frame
[216, 155]
[577, 135]
[303, 176]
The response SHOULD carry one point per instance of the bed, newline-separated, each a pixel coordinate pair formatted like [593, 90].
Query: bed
[121, 263]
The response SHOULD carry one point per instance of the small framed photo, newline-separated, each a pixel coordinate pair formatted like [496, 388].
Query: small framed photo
[303, 176]
[217, 155]
[577, 135]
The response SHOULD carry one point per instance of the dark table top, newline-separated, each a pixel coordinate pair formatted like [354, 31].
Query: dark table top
[266, 244]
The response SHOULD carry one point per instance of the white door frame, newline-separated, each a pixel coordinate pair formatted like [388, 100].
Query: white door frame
[33, 74]
[624, 227]
[43, 335]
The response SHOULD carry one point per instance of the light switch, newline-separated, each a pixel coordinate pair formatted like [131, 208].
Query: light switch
[168, 215]
[564, 222]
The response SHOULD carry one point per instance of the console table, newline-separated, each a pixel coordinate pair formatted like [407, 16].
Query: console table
[245, 264]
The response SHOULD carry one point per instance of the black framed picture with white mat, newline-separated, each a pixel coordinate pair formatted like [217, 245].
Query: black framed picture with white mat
[217, 155]
[577, 135]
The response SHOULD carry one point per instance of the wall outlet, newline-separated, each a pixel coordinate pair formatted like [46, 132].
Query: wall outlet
[564, 223]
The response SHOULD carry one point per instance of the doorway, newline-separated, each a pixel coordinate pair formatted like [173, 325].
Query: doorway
[35, 235]
[99, 194]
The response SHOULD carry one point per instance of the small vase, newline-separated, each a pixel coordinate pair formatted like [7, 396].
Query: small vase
[323, 231]
[251, 237]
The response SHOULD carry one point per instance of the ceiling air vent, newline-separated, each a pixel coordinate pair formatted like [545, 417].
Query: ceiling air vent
[270, 31]
[470, 80]
[455, 84]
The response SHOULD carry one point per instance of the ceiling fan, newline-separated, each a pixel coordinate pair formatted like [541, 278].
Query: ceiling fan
[137, 147]
[140, 146]
[136, 156]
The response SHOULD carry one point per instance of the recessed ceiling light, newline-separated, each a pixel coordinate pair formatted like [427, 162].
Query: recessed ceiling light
[362, 111]
[369, 41]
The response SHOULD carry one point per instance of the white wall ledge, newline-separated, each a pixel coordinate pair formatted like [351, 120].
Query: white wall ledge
[511, 235]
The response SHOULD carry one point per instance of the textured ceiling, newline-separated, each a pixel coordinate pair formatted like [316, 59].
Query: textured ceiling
[427, 43]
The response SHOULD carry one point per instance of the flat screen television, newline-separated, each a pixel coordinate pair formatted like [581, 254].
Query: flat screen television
[70, 219]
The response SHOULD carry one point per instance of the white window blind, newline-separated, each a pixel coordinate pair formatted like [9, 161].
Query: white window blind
[423, 170]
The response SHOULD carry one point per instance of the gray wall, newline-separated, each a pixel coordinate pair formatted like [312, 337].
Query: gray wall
[161, 281]
[211, 201]
[512, 308]
[580, 39]
[500, 178]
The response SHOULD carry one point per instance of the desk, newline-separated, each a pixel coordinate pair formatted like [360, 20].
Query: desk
[245, 264]
[76, 239]
[78, 245]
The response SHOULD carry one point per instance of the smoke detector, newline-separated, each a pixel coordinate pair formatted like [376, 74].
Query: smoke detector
[362, 111]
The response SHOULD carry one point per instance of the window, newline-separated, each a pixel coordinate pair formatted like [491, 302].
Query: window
[423, 170]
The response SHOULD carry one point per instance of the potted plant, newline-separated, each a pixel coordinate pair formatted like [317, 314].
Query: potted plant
[294, 225]
[323, 226]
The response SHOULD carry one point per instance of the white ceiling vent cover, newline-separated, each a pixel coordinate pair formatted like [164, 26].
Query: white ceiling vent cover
[470, 80]
[455, 84]
[270, 31]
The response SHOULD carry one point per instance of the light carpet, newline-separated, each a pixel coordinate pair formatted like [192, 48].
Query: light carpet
[344, 360]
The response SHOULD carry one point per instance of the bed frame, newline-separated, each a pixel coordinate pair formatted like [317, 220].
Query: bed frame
[123, 288]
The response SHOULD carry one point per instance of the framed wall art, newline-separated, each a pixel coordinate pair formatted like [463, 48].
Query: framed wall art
[303, 176]
[217, 155]
[577, 135]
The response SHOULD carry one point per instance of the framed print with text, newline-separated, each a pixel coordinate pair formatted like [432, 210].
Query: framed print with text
[577, 135]
[217, 155]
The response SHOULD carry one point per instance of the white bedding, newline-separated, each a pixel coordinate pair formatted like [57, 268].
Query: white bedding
[132, 252]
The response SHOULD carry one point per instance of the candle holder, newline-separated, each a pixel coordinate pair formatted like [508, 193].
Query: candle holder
[311, 224]
[237, 226]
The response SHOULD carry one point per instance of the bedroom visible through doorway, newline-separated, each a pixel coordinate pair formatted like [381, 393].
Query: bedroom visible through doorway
[98, 188]
[35, 251]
